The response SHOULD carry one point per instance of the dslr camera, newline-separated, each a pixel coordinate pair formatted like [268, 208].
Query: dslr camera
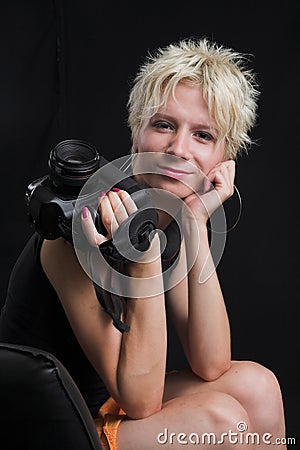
[51, 199]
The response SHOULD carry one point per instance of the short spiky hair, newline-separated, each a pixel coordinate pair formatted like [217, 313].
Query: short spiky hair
[229, 88]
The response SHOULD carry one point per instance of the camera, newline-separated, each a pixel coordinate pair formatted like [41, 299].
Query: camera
[51, 199]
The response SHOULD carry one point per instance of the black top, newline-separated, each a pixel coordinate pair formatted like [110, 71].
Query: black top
[33, 315]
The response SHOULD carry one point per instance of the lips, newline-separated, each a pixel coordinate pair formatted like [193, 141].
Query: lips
[173, 172]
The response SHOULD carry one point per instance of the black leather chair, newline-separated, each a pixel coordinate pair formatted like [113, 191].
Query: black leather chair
[41, 408]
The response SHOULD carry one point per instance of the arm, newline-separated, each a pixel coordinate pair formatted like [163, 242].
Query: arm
[132, 365]
[198, 309]
[142, 360]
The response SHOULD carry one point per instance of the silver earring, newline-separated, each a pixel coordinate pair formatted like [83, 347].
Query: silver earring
[238, 216]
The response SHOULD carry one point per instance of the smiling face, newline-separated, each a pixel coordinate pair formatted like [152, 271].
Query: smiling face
[182, 140]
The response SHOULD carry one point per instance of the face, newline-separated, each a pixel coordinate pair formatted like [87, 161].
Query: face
[182, 140]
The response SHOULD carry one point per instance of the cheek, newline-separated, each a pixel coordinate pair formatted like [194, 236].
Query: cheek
[149, 142]
[207, 161]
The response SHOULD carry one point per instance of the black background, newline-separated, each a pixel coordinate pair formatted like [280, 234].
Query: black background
[65, 72]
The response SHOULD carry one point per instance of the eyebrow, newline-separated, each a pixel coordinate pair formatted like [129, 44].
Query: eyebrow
[201, 126]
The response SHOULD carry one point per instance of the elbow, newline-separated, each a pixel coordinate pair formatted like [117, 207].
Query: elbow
[141, 410]
[214, 373]
[141, 400]
[213, 370]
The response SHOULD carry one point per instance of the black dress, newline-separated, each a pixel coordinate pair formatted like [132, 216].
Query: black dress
[33, 315]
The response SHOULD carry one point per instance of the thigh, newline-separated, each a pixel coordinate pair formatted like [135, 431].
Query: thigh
[237, 381]
[184, 418]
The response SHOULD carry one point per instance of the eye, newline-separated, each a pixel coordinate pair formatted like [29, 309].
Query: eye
[204, 136]
[162, 125]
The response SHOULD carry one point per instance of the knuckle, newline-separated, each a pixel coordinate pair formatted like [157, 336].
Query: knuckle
[106, 218]
[124, 195]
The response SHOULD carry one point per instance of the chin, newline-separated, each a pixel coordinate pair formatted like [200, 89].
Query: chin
[175, 187]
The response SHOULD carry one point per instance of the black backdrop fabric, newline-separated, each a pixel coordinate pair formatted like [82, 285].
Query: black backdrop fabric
[66, 68]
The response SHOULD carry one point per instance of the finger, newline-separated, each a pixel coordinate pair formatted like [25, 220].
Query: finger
[117, 206]
[223, 172]
[223, 183]
[229, 174]
[128, 202]
[232, 169]
[211, 174]
[229, 167]
[89, 229]
[107, 215]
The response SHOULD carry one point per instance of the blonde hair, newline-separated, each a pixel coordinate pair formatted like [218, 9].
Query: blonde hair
[229, 88]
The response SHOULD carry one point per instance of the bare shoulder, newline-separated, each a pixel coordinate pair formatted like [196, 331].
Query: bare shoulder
[52, 249]
[60, 264]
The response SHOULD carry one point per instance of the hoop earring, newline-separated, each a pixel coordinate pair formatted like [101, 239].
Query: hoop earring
[240, 208]
[238, 217]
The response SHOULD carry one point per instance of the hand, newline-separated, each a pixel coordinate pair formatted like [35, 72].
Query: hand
[222, 177]
[114, 207]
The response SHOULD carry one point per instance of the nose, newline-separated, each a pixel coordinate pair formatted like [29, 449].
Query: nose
[179, 145]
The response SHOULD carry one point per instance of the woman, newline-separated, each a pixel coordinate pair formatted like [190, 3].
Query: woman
[191, 108]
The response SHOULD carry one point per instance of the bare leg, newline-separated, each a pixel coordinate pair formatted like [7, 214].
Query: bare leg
[185, 422]
[247, 392]
[251, 384]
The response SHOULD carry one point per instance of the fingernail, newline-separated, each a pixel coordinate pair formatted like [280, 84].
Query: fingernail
[102, 194]
[116, 189]
[85, 213]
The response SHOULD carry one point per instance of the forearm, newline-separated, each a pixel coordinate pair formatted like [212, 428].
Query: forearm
[208, 326]
[142, 359]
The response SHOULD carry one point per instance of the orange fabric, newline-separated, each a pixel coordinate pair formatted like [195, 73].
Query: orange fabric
[107, 423]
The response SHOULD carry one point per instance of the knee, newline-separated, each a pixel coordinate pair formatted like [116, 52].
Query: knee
[257, 388]
[225, 413]
[256, 382]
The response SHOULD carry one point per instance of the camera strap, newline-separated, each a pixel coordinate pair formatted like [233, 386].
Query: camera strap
[112, 300]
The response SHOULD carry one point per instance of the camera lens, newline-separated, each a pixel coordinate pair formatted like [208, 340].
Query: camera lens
[71, 163]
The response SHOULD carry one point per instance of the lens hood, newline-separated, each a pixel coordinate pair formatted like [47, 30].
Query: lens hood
[71, 163]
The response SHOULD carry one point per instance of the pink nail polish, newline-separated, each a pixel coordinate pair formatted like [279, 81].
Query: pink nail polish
[85, 213]
[103, 194]
[116, 189]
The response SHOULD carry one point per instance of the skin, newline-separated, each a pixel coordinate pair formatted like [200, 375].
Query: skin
[215, 393]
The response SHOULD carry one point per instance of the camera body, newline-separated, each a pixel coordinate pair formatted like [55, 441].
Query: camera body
[51, 199]
[49, 213]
